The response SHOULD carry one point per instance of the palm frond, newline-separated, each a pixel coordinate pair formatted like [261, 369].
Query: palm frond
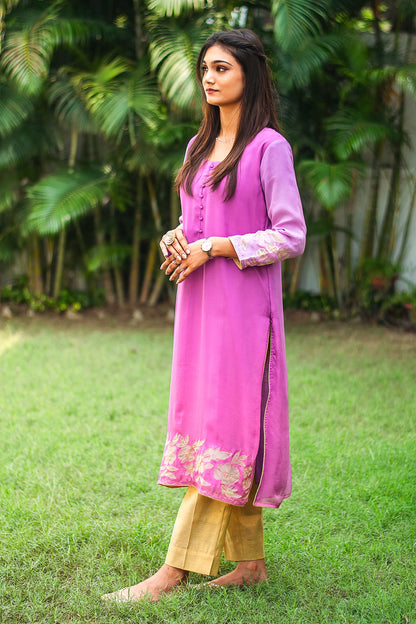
[352, 132]
[64, 197]
[296, 69]
[29, 44]
[176, 7]
[110, 255]
[15, 107]
[174, 50]
[330, 183]
[295, 20]
[26, 142]
[117, 97]
[67, 96]
[10, 191]
[7, 5]
[7, 246]
[134, 97]
[404, 76]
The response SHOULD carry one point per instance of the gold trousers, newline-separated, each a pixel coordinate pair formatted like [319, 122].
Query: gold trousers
[205, 527]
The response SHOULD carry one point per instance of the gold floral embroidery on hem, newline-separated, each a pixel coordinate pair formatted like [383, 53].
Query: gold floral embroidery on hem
[207, 466]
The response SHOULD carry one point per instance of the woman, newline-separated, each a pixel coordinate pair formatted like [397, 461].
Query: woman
[228, 415]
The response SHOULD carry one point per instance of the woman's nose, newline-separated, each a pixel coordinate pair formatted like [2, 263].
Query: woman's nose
[209, 76]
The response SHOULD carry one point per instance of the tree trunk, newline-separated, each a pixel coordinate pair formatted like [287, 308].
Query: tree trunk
[135, 246]
[118, 279]
[106, 275]
[119, 287]
[174, 208]
[386, 240]
[48, 245]
[34, 266]
[367, 244]
[295, 275]
[139, 40]
[154, 204]
[59, 264]
[157, 289]
[147, 281]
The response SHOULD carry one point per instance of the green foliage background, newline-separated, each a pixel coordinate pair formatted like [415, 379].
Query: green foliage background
[99, 99]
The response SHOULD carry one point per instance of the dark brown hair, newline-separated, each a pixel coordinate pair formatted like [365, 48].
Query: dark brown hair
[257, 110]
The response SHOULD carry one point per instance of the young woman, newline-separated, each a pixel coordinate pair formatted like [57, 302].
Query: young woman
[227, 435]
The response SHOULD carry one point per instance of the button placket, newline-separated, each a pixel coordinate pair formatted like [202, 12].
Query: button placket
[201, 202]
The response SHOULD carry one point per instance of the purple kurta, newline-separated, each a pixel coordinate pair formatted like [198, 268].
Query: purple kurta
[228, 409]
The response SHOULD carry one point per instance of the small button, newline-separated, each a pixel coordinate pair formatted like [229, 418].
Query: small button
[201, 218]
[201, 206]
[200, 231]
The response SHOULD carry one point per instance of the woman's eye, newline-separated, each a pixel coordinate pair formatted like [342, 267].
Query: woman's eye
[204, 69]
[221, 69]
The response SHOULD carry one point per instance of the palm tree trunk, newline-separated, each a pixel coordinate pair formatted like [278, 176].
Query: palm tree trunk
[387, 235]
[135, 246]
[59, 264]
[336, 273]
[62, 234]
[151, 258]
[48, 245]
[118, 279]
[34, 266]
[106, 275]
[138, 30]
[327, 282]
[367, 245]
[154, 205]
[157, 289]
[295, 275]
[174, 208]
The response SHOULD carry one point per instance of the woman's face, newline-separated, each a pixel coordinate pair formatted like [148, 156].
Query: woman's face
[222, 77]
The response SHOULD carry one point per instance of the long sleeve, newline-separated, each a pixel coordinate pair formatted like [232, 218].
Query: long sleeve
[284, 236]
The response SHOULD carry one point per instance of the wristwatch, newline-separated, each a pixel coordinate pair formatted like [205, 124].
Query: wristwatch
[206, 246]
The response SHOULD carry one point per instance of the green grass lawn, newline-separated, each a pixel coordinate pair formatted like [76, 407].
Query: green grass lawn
[82, 428]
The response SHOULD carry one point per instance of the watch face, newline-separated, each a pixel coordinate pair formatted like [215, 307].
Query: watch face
[206, 245]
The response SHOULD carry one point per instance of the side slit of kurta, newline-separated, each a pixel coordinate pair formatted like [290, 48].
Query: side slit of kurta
[265, 393]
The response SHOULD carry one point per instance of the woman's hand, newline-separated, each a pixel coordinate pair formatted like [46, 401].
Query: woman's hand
[180, 269]
[174, 243]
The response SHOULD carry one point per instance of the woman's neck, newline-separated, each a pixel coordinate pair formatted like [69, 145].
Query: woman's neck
[229, 119]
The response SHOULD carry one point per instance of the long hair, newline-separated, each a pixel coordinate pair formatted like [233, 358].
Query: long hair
[257, 110]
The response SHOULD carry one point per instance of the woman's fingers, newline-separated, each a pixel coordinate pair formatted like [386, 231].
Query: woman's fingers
[174, 242]
[170, 264]
[175, 270]
[182, 241]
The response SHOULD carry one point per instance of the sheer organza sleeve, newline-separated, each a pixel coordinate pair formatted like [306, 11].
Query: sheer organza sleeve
[285, 236]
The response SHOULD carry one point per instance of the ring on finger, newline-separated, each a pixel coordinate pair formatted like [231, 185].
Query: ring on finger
[169, 238]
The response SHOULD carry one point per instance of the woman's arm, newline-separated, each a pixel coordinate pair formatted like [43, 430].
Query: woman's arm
[180, 269]
[285, 238]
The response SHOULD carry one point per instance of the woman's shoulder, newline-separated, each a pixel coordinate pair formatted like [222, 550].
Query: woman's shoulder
[269, 135]
[264, 138]
[190, 142]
